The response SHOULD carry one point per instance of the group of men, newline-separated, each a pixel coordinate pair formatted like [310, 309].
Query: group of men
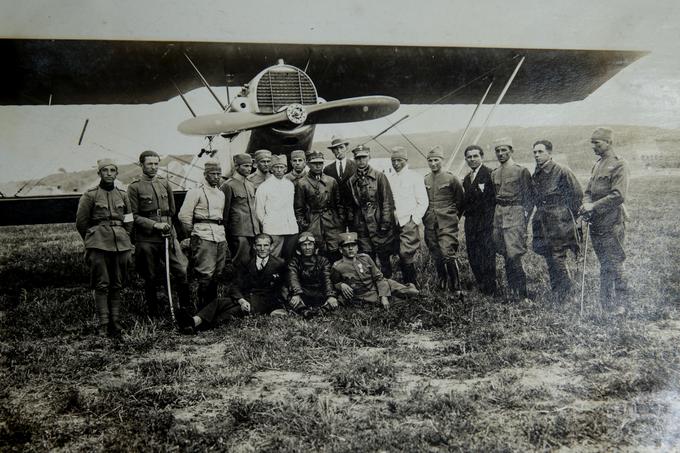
[313, 237]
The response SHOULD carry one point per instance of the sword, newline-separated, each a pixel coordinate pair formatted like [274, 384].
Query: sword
[585, 255]
[167, 277]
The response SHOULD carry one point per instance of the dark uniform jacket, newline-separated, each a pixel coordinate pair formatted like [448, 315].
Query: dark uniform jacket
[350, 167]
[262, 288]
[373, 206]
[363, 276]
[104, 219]
[239, 207]
[514, 200]
[446, 196]
[607, 190]
[319, 209]
[152, 201]
[478, 204]
[310, 276]
[557, 195]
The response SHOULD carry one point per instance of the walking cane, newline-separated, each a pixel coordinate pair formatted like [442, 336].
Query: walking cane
[167, 277]
[585, 256]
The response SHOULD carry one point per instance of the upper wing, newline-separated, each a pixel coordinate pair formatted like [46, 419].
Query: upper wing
[142, 72]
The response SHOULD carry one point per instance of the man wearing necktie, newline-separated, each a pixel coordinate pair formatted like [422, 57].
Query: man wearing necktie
[342, 169]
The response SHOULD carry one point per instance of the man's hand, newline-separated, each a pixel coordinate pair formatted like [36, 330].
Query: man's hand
[347, 291]
[245, 305]
[162, 227]
[296, 302]
[385, 226]
[385, 302]
[332, 301]
[586, 208]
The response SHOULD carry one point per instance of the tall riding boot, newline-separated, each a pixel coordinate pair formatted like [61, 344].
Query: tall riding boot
[101, 306]
[441, 274]
[184, 296]
[520, 278]
[385, 265]
[152, 305]
[454, 279]
[114, 307]
[408, 272]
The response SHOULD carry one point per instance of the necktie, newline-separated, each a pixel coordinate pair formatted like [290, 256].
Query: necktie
[341, 169]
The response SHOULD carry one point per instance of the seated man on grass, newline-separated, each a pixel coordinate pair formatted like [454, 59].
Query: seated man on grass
[358, 279]
[309, 279]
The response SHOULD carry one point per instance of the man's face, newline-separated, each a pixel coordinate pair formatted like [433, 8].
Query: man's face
[339, 151]
[361, 161]
[108, 174]
[503, 153]
[307, 248]
[435, 163]
[244, 169]
[600, 146]
[213, 177]
[473, 158]
[279, 170]
[150, 166]
[349, 250]
[398, 163]
[541, 155]
[263, 247]
[316, 168]
[298, 164]
[263, 164]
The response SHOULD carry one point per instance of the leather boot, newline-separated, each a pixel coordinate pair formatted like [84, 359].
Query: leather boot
[454, 279]
[184, 296]
[385, 265]
[114, 307]
[101, 306]
[408, 271]
[441, 275]
[152, 304]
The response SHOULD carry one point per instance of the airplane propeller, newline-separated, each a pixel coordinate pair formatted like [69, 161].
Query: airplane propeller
[340, 111]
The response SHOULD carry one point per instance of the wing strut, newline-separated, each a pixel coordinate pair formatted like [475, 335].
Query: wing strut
[385, 130]
[184, 99]
[467, 128]
[205, 83]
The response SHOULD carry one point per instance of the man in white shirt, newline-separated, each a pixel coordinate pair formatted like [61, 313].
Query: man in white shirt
[341, 169]
[274, 209]
[410, 205]
[201, 215]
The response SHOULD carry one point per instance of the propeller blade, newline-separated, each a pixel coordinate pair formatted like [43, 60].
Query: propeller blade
[228, 122]
[351, 110]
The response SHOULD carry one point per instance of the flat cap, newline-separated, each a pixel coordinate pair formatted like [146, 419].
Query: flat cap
[399, 152]
[361, 151]
[348, 238]
[315, 156]
[436, 152]
[602, 133]
[503, 141]
[262, 154]
[105, 162]
[240, 159]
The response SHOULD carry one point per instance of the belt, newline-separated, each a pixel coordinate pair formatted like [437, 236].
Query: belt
[110, 222]
[548, 201]
[319, 211]
[507, 203]
[215, 221]
[155, 212]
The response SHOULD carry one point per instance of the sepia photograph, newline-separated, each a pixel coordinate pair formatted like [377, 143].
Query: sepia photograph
[339, 226]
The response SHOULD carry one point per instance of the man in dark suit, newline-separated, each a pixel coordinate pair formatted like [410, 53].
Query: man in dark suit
[478, 206]
[342, 169]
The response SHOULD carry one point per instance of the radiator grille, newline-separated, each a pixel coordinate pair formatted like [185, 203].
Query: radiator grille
[278, 88]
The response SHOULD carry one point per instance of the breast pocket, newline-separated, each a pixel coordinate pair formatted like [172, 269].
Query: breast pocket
[145, 201]
[163, 201]
[101, 209]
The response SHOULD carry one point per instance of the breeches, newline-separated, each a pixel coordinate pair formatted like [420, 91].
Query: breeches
[108, 270]
[409, 242]
[511, 242]
[442, 242]
[208, 258]
[149, 257]
[241, 249]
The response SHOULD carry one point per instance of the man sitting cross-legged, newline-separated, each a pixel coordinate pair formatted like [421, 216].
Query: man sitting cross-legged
[309, 279]
[358, 279]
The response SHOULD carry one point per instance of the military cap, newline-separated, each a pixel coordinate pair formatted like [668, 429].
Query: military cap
[306, 237]
[105, 162]
[337, 141]
[279, 159]
[503, 141]
[436, 152]
[297, 153]
[602, 133]
[348, 238]
[262, 154]
[212, 165]
[361, 150]
[399, 152]
[240, 159]
[315, 156]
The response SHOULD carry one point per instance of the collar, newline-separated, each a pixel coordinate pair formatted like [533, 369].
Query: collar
[369, 172]
[403, 171]
[547, 167]
[146, 177]
[107, 187]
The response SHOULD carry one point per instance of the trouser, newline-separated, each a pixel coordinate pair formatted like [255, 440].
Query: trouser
[443, 247]
[149, 260]
[482, 257]
[560, 277]
[108, 274]
[241, 250]
[517, 279]
[219, 310]
[608, 247]
[392, 288]
[283, 245]
[208, 259]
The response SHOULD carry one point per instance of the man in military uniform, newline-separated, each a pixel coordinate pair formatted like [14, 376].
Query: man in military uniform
[514, 203]
[341, 170]
[357, 278]
[478, 208]
[318, 207]
[298, 161]
[104, 221]
[239, 210]
[201, 216]
[371, 213]
[263, 160]
[410, 205]
[153, 206]
[445, 194]
[603, 207]
[558, 195]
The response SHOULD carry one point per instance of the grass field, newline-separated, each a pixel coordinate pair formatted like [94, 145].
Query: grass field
[428, 375]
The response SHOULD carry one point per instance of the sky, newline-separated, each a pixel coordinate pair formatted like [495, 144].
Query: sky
[37, 140]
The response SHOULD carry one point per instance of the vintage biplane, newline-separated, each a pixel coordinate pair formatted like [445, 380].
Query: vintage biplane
[282, 104]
